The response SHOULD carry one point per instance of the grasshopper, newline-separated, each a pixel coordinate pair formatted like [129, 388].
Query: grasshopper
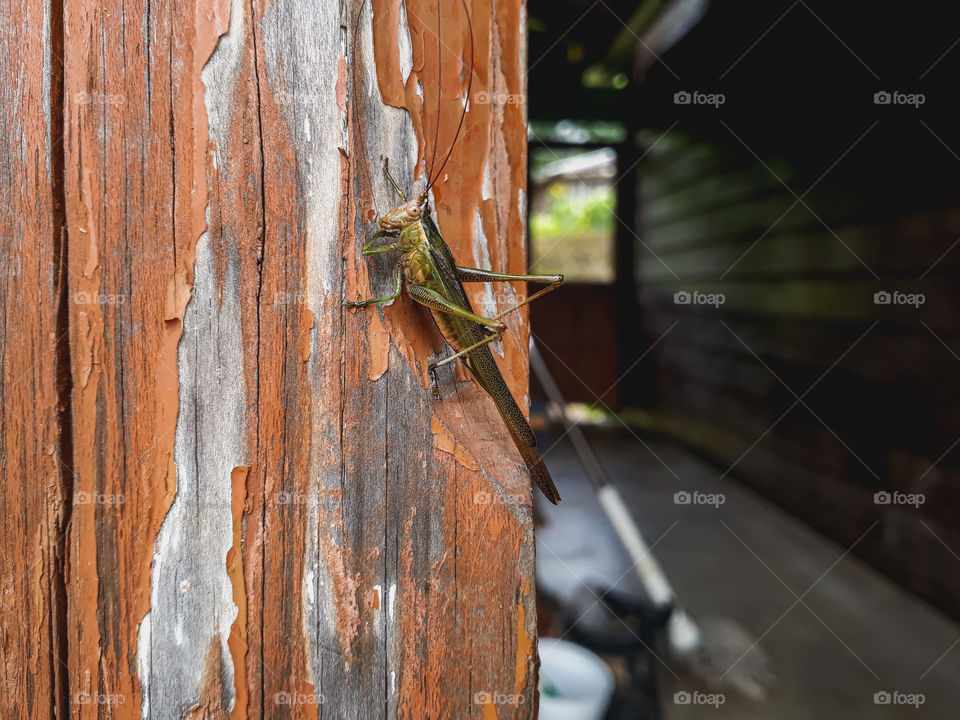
[434, 279]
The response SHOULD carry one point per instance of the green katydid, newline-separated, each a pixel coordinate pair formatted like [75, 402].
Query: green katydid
[434, 279]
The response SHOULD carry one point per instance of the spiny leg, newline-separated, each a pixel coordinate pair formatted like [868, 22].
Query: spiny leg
[435, 301]
[469, 274]
[467, 350]
[397, 288]
[466, 274]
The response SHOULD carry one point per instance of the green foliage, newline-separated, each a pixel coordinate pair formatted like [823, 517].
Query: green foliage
[574, 235]
[575, 214]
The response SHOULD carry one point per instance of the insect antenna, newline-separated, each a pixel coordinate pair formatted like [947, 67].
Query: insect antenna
[436, 129]
[433, 177]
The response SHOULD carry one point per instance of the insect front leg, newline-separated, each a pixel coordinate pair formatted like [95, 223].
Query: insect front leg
[369, 250]
[466, 274]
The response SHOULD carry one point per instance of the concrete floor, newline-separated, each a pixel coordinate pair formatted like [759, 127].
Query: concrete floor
[854, 634]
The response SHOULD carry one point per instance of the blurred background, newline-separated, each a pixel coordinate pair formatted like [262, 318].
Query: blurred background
[757, 207]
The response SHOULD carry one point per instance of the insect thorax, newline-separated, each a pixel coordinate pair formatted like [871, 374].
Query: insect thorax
[412, 236]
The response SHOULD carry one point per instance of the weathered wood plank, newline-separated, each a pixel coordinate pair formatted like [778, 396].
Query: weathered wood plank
[35, 503]
[421, 547]
[136, 158]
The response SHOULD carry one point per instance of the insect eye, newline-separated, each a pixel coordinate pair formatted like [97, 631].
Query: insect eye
[415, 211]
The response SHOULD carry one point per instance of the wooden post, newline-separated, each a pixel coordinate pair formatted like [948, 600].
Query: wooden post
[225, 495]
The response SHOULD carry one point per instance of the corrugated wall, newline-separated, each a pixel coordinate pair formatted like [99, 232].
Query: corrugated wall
[787, 368]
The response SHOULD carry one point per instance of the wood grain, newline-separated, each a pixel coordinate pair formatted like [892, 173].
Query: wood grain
[35, 492]
[251, 506]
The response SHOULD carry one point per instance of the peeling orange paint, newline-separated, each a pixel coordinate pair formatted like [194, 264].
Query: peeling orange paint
[237, 642]
[426, 688]
[378, 343]
[86, 351]
[525, 641]
[488, 711]
[178, 295]
[464, 458]
[444, 441]
[306, 325]
[386, 52]
[169, 481]
[342, 84]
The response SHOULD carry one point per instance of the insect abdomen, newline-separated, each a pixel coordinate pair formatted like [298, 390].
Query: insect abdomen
[445, 323]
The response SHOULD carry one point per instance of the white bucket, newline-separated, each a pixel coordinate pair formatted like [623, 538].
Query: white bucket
[575, 684]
